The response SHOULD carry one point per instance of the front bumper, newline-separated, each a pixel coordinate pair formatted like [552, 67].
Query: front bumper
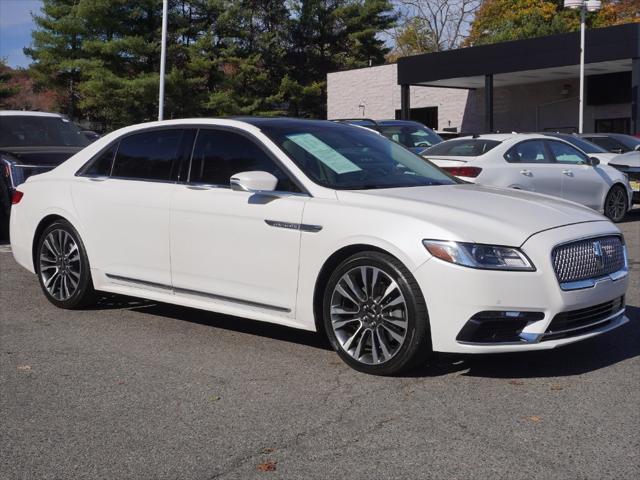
[454, 294]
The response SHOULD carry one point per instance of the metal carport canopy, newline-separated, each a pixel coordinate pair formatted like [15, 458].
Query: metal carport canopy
[607, 50]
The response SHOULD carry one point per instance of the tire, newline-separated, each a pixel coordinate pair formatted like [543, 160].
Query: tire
[63, 267]
[616, 203]
[382, 330]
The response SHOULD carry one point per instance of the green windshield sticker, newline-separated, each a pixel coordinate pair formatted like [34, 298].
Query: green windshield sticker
[323, 152]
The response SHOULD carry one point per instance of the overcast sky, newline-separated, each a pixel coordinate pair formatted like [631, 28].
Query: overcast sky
[15, 29]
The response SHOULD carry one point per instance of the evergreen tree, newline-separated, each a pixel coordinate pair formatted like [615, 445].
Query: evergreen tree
[6, 91]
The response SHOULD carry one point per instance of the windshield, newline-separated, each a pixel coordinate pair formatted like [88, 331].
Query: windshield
[582, 144]
[464, 147]
[411, 136]
[348, 158]
[36, 131]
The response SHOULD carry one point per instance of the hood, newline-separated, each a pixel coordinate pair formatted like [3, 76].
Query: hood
[42, 156]
[629, 159]
[476, 213]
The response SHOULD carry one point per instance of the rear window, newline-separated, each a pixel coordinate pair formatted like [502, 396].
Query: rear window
[39, 131]
[463, 147]
[410, 136]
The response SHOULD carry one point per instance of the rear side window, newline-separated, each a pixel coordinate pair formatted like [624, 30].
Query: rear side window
[148, 156]
[220, 154]
[464, 147]
[531, 151]
[101, 166]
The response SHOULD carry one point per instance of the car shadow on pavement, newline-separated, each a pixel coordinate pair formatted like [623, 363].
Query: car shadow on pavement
[575, 359]
[216, 320]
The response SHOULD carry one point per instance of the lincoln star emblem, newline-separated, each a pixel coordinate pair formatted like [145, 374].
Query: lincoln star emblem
[597, 252]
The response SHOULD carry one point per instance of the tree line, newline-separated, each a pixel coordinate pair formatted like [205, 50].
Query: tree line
[100, 58]
[224, 57]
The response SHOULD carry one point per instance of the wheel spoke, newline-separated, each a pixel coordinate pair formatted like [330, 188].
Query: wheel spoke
[383, 345]
[358, 353]
[354, 288]
[397, 337]
[340, 289]
[342, 323]
[398, 323]
[374, 349]
[346, 345]
[374, 280]
[396, 301]
[390, 289]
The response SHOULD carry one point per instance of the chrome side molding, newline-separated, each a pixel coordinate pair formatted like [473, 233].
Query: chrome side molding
[187, 291]
[303, 227]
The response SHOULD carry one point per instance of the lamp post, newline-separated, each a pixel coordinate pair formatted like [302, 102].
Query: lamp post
[163, 58]
[584, 6]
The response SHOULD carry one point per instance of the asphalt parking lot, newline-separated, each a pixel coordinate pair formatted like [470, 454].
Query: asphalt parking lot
[133, 389]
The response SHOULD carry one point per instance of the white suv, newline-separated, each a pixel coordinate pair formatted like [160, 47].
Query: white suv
[538, 163]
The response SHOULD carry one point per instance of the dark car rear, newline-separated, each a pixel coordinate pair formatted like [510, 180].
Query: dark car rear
[32, 143]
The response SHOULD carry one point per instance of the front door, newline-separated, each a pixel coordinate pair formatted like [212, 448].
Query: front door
[237, 247]
[581, 182]
[530, 167]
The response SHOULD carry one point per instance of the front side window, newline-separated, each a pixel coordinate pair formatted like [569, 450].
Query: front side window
[464, 147]
[220, 154]
[148, 155]
[346, 158]
[564, 153]
[530, 151]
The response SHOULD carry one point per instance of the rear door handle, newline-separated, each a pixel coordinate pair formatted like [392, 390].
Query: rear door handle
[98, 179]
[568, 173]
[526, 173]
[199, 187]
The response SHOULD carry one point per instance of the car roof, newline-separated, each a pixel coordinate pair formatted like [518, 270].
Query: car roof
[24, 113]
[283, 121]
[400, 122]
[501, 137]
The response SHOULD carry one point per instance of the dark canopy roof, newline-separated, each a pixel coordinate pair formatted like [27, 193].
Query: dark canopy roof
[608, 50]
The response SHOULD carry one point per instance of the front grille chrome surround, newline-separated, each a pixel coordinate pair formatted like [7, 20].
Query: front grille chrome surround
[584, 263]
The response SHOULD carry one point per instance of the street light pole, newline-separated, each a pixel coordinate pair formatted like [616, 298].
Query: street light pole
[582, 31]
[584, 6]
[163, 58]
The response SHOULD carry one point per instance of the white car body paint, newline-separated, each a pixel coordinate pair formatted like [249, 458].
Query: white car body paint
[583, 184]
[212, 249]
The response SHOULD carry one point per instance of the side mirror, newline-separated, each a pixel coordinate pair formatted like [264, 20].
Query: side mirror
[594, 162]
[253, 182]
[616, 150]
[637, 148]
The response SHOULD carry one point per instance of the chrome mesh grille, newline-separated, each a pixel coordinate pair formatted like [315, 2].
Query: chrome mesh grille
[583, 259]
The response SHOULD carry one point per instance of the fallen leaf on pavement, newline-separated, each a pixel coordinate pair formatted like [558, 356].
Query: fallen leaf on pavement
[269, 466]
[535, 418]
[213, 398]
[24, 368]
[556, 387]
[267, 450]
[516, 382]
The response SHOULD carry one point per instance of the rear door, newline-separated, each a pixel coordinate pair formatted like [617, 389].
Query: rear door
[530, 166]
[123, 200]
[581, 182]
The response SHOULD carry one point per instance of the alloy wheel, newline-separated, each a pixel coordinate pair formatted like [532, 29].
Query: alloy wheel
[60, 264]
[369, 315]
[616, 205]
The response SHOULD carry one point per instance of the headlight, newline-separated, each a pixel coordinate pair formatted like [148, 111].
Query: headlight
[474, 255]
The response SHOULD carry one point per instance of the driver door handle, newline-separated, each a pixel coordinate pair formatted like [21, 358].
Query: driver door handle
[568, 173]
[526, 173]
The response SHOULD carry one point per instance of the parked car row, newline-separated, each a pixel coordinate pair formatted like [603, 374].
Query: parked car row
[329, 227]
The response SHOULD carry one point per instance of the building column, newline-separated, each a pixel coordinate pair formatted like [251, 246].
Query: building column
[405, 102]
[488, 103]
[635, 96]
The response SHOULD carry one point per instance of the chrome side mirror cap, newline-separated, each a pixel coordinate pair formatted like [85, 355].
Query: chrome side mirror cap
[255, 181]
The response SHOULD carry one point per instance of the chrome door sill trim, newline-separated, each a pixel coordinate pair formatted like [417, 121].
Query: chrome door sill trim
[187, 291]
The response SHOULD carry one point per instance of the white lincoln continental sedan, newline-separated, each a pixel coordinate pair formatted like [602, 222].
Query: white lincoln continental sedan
[320, 226]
